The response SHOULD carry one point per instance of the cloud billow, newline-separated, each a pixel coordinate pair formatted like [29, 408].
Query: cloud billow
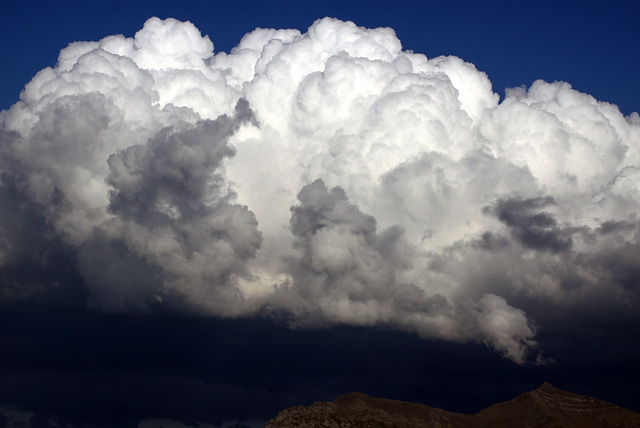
[534, 229]
[327, 177]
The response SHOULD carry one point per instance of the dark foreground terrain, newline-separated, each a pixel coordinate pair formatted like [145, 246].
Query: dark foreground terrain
[544, 407]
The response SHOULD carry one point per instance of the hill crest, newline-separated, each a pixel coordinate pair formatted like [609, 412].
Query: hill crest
[546, 406]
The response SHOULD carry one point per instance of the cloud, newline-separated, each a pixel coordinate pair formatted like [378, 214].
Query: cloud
[326, 177]
[175, 210]
[535, 230]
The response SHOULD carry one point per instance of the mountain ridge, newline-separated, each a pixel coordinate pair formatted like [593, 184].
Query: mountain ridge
[545, 406]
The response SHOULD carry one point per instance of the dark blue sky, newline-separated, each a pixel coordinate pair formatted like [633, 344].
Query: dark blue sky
[590, 44]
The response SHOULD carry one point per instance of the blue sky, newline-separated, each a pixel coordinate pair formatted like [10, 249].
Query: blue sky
[590, 44]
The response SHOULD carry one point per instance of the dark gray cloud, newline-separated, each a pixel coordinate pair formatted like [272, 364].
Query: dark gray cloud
[347, 273]
[174, 221]
[177, 212]
[37, 267]
[341, 264]
[531, 225]
[176, 173]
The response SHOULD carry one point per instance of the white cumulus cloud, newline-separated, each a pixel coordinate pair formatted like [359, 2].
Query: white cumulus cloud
[326, 177]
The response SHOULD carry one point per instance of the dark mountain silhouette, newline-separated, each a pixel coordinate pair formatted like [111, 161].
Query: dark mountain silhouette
[544, 407]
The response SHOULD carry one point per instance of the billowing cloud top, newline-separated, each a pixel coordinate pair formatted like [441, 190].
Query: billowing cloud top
[320, 178]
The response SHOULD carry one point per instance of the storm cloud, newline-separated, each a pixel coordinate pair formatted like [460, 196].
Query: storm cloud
[320, 178]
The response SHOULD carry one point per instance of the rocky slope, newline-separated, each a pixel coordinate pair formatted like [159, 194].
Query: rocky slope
[544, 407]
